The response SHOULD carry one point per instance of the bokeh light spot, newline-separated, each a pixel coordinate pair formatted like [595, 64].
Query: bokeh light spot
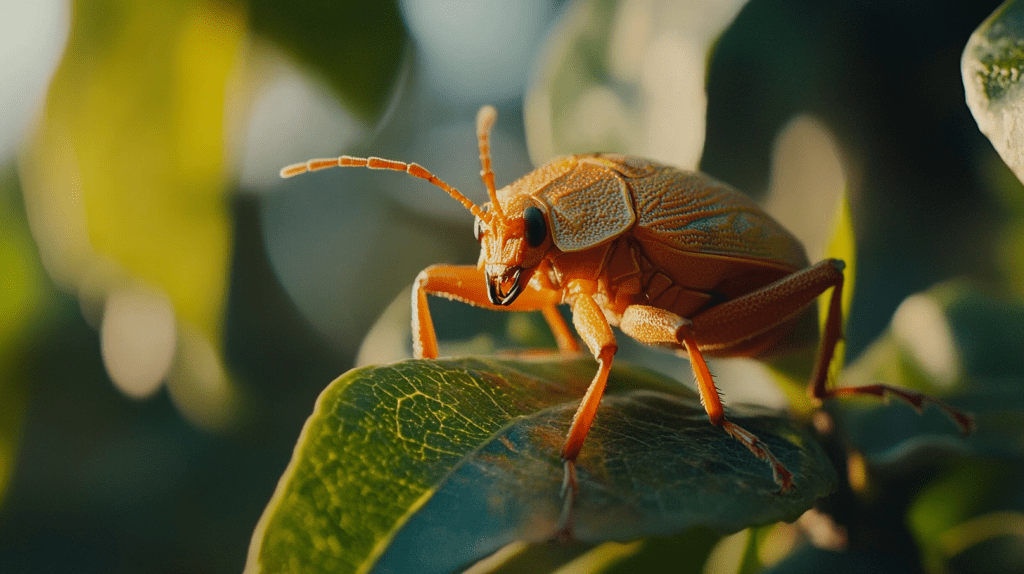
[920, 325]
[138, 339]
[807, 181]
[477, 51]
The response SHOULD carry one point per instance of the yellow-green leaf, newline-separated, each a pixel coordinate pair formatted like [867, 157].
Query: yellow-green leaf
[125, 176]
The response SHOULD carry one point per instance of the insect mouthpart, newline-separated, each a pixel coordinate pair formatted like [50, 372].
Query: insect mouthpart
[496, 286]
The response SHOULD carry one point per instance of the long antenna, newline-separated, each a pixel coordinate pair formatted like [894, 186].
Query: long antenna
[485, 119]
[412, 169]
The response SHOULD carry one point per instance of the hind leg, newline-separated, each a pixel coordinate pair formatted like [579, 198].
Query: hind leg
[819, 389]
[656, 326]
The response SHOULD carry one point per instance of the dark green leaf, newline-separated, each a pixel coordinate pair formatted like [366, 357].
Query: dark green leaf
[811, 559]
[435, 464]
[356, 45]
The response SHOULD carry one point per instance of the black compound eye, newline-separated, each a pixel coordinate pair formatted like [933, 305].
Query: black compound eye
[536, 226]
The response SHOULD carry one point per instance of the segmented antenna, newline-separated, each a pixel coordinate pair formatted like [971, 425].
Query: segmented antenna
[485, 119]
[412, 169]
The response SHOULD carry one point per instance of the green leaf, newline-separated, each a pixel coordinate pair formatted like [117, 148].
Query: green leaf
[993, 71]
[435, 464]
[27, 297]
[357, 45]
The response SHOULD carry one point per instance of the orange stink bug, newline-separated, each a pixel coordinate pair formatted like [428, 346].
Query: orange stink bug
[672, 258]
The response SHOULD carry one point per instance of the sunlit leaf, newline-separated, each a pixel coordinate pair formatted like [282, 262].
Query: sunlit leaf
[126, 174]
[439, 463]
[993, 71]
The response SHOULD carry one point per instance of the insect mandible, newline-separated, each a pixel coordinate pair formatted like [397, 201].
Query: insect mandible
[672, 258]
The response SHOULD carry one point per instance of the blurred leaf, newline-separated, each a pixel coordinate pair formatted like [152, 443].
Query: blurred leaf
[357, 45]
[25, 297]
[843, 245]
[738, 553]
[125, 177]
[684, 552]
[812, 560]
[543, 557]
[751, 563]
[963, 344]
[435, 464]
[575, 557]
[628, 77]
[946, 502]
[956, 342]
[1010, 193]
[993, 70]
[993, 542]
[20, 272]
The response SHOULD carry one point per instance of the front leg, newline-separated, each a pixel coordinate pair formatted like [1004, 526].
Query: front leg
[466, 283]
[593, 327]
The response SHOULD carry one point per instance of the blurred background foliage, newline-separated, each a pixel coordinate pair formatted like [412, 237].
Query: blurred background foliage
[170, 309]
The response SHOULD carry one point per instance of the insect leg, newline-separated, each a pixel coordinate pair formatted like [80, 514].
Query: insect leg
[744, 317]
[819, 389]
[656, 326]
[563, 336]
[466, 283]
[593, 327]
[757, 312]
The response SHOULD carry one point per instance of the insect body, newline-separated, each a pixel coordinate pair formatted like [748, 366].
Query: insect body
[672, 258]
